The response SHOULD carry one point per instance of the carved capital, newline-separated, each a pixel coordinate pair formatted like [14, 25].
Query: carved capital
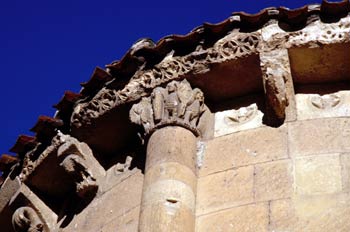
[175, 104]
[25, 219]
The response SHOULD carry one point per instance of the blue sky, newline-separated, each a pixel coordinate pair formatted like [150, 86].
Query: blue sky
[47, 47]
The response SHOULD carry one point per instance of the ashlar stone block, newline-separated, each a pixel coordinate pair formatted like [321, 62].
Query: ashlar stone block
[345, 167]
[319, 136]
[248, 218]
[244, 148]
[318, 175]
[225, 189]
[273, 180]
[310, 106]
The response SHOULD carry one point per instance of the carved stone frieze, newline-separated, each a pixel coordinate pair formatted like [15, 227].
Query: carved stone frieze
[25, 219]
[313, 35]
[171, 68]
[176, 104]
[233, 46]
[30, 162]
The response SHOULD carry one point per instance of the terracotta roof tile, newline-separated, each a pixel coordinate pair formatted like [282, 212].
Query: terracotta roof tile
[45, 128]
[147, 53]
[7, 161]
[23, 144]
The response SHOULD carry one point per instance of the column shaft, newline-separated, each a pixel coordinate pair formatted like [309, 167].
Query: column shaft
[168, 201]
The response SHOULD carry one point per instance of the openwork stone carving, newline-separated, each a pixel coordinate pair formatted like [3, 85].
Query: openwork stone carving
[25, 219]
[325, 102]
[77, 160]
[171, 68]
[232, 46]
[176, 104]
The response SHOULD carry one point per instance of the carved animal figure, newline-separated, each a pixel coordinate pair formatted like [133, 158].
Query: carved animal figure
[25, 219]
[142, 114]
[195, 108]
[75, 166]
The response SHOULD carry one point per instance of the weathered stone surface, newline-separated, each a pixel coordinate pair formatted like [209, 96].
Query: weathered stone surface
[169, 192]
[167, 216]
[273, 180]
[282, 215]
[316, 213]
[177, 104]
[172, 144]
[225, 189]
[319, 174]
[319, 136]
[231, 47]
[246, 218]
[128, 221]
[7, 190]
[276, 72]
[310, 106]
[26, 219]
[323, 213]
[110, 206]
[244, 118]
[345, 168]
[28, 204]
[244, 148]
[171, 171]
[79, 163]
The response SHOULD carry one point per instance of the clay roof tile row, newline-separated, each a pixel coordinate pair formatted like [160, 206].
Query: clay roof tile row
[145, 53]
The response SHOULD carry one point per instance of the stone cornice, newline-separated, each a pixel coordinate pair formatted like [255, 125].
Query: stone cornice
[233, 46]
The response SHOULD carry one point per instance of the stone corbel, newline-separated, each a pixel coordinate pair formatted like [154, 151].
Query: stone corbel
[25, 219]
[77, 160]
[30, 213]
[175, 104]
[276, 73]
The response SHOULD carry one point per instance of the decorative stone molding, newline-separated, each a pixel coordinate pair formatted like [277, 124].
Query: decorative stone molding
[176, 104]
[77, 160]
[32, 214]
[30, 163]
[311, 106]
[242, 115]
[75, 157]
[325, 102]
[232, 46]
[244, 118]
[25, 219]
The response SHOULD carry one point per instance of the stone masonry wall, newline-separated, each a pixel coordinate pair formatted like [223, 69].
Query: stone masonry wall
[117, 209]
[292, 178]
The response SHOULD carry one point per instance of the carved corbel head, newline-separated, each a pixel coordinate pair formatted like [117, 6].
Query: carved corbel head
[77, 160]
[26, 219]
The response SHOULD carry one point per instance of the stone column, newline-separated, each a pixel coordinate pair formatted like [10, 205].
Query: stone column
[170, 117]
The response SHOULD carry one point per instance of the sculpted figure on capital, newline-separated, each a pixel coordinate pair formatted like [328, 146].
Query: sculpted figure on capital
[177, 103]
